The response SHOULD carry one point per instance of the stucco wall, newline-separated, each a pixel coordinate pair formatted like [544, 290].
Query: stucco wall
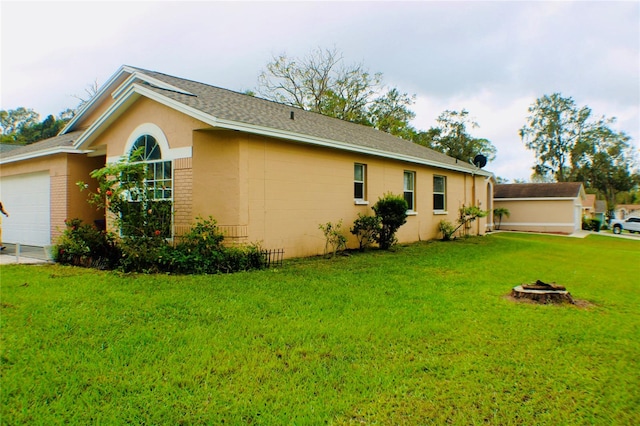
[176, 127]
[545, 215]
[282, 191]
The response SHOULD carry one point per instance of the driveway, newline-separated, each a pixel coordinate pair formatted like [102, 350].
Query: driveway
[24, 254]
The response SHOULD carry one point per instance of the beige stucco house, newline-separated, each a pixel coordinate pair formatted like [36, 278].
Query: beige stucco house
[541, 207]
[266, 172]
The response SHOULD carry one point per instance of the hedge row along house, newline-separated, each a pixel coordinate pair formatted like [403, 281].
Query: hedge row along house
[267, 172]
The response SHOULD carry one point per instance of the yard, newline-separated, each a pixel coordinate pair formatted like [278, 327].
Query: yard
[425, 334]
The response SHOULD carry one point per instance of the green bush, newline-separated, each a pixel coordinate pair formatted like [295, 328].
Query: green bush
[466, 215]
[201, 251]
[591, 224]
[85, 245]
[447, 229]
[143, 254]
[334, 240]
[366, 229]
[392, 213]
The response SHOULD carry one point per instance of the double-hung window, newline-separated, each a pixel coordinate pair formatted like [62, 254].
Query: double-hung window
[439, 193]
[359, 188]
[409, 189]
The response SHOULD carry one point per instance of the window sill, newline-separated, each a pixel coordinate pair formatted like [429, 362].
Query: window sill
[360, 202]
[435, 212]
[411, 213]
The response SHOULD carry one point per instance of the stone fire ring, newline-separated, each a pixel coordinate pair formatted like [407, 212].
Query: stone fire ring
[542, 295]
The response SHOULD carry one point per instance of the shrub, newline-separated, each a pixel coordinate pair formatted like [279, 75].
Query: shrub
[85, 245]
[447, 229]
[392, 213]
[591, 224]
[366, 230]
[334, 240]
[143, 254]
[466, 215]
[201, 251]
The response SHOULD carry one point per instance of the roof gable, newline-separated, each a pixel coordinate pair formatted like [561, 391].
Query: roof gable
[222, 108]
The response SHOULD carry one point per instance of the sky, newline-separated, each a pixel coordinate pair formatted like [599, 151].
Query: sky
[492, 58]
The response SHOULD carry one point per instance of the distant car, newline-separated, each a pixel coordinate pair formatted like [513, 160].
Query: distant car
[631, 224]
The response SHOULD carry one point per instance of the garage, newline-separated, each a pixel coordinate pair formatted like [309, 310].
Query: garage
[27, 199]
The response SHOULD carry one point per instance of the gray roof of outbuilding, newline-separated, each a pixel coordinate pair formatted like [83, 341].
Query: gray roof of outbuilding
[238, 107]
[537, 190]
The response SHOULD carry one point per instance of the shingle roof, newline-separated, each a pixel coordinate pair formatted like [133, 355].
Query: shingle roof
[601, 206]
[537, 190]
[229, 105]
[60, 141]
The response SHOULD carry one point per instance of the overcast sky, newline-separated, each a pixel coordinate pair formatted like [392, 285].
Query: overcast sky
[492, 58]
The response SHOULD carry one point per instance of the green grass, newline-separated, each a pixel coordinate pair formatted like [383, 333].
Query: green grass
[422, 335]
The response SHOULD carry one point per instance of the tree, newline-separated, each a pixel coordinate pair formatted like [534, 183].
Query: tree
[451, 137]
[603, 159]
[89, 93]
[323, 83]
[499, 213]
[21, 126]
[14, 120]
[553, 128]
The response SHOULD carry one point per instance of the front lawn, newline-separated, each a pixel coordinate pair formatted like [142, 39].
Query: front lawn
[424, 334]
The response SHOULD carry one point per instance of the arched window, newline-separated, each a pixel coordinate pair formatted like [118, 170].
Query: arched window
[159, 182]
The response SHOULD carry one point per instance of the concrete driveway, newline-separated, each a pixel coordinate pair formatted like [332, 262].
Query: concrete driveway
[24, 254]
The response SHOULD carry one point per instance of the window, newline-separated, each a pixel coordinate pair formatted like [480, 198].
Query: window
[158, 181]
[439, 193]
[409, 191]
[359, 174]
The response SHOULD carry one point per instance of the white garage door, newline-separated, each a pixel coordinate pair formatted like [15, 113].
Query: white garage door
[27, 200]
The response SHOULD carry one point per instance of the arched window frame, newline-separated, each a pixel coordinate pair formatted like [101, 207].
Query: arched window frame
[160, 180]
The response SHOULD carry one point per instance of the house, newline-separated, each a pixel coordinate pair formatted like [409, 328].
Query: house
[541, 207]
[267, 172]
[600, 213]
[623, 211]
[589, 206]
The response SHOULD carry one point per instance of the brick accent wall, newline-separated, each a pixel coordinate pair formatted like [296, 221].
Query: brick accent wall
[58, 205]
[182, 195]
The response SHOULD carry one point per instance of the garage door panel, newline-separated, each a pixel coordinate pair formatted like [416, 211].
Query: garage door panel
[27, 199]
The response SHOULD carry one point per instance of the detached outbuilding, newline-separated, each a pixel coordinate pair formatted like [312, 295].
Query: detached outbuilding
[541, 207]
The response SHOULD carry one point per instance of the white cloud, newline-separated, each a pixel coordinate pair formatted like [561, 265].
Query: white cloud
[491, 58]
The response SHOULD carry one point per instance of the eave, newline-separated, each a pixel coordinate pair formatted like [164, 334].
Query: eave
[131, 91]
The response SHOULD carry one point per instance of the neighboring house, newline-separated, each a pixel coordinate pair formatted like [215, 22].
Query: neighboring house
[267, 172]
[623, 211]
[594, 209]
[601, 211]
[541, 207]
[589, 206]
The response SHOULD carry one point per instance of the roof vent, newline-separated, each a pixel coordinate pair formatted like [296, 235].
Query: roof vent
[291, 115]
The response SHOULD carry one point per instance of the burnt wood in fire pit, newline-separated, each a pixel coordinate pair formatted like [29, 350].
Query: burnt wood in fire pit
[539, 285]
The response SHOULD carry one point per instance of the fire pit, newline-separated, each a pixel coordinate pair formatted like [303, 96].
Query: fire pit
[542, 292]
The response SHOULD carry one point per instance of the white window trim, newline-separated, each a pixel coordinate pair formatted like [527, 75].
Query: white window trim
[412, 211]
[444, 194]
[361, 201]
[151, 129]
